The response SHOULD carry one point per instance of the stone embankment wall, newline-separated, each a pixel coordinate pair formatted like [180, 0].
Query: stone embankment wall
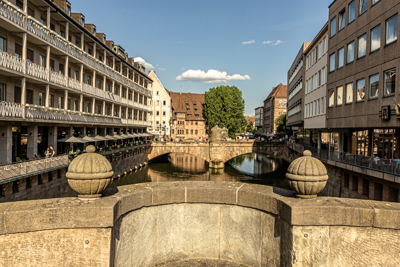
[147, 224]
[128, 162]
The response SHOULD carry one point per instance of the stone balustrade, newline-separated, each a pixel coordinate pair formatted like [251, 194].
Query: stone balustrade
[252, 225]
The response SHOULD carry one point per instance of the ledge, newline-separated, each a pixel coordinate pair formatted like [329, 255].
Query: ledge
[72, 213]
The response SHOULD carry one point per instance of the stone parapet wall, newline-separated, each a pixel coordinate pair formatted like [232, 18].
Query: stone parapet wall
[146, 224]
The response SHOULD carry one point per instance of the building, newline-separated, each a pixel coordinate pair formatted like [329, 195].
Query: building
[295, 85]
[274, 106]
[161, 114]
[362, 94]
[258, 118]
[315, 89]
[250, 119]
[60, 78]
[188, 121]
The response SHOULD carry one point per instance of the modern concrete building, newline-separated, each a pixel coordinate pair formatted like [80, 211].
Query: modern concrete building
[259, 118]
[274, 106]
[188, 121]
[295, 86]
[161, 114]
[60, 78]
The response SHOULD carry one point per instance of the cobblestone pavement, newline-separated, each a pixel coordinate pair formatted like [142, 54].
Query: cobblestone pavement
[198, 263]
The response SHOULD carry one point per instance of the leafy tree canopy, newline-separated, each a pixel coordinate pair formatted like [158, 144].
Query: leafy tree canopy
[224, 106]
[280, 122]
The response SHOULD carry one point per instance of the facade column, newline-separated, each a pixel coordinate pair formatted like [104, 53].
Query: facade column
[32, 141]
[66, 100]
[104, 108]
[113, 66]
[23, 91]
[81, 74]
[94, 105]
[120, 66]
[120, 109]
[94, 49]
[113, 86]
[82, 40]
[53, 131]
[5, 144]
[25, 6]
[81, 103]
[47, 97]
[112, 110]
[120, 90]
[105, 56]
[94, 78]
[48, 57]
[48, 17]
[67, 31]
[24, 48]
[104, 82]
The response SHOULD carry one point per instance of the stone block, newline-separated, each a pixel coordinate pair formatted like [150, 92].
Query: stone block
[388, 177]
[271, 240]
[211, 192]
[258, 197]
[387, 214]
[241, 235]
[182, 233]
[167, 193]
[375, 174]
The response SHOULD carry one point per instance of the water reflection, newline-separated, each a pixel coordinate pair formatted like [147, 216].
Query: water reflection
[251, 168]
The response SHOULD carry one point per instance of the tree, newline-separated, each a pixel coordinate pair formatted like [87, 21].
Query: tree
[224, 106]
[250, 127]
[280, 123]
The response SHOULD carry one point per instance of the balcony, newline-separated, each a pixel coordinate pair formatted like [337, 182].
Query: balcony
[13, 172]
[20, 19]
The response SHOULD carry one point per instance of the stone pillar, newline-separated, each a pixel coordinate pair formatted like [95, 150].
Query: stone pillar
[66, 66]
[120, 109]
[32, 141]
[25, 6]
[5, 144]
[81, 103]
[24, 46]
[94, 78]
[48, 57]
[53, 137]
[82, 40]
[104, 108]
[94, 49]
[113, 63]
[112, 110]
[67, 31]
[104, 83]
[47, 97]
[113, 86]
[94, 105]
[23, 91]
[81, 74]
[66, 99]
[120, 66]
[105, 56]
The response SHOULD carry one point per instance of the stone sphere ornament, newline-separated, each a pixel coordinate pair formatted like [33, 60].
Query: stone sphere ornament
[307, 176]
[89, 174]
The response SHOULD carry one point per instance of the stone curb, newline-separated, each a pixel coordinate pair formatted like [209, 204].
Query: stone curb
[66, 213]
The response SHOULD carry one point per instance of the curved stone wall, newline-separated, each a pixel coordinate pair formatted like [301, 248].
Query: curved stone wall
[146, 224]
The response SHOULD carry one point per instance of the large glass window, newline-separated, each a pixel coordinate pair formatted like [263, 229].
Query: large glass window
[340, 57]
[339, 96]
[390, 82]
[342, 19]
[374, 86]
[2, 92]
[352, 11]
[331, 98]
[360, 90]
[391, 30]
[332, 62]
[3, 44]
[324, 44]
[350, 52]
[375, 38]
[349, 93]
[363, 6]
[362, 46]
[333, 26]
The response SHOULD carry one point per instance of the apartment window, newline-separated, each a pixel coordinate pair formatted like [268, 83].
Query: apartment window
[323, 75]
[339, 96]
[374, 86]
[332, 62]
[362, 46]
[157, 113]
[89, 80]
[19, 4]
[61, 67]
[68, 9]
[157, 102]
[31, 12]
[360, 90]
[284, 103]
[42, 61]
[52, 101]
[29, 55]
[363, 6]
[41, 103]
[322, 105]
[342, 19]
[331, 98]
[280, 102]
[350, 52]
[43, 21]
[284, 111]
[164, 103]
[124, 93]
[130, 95]
[157, 92]
[324, 45]
[340, 57]
[352, 11]
[280, 112]
[163, 113]
[375, 38]
[390, 82]
[89, 107]
[52, 27]
[391, 30]
[375, 1]
[82, 21]
[3, 45]
[349, 93]
[333, 26]
[51, 64]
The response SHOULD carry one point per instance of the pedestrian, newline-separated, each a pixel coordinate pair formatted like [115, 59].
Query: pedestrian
[52, 153]
[47, 153]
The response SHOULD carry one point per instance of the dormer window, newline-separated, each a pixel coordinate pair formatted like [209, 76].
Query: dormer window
[82, 21]
[68, 9]
[94, 30]
[104, 39]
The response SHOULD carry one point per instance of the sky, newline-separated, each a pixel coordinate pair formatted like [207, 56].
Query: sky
[196, 45]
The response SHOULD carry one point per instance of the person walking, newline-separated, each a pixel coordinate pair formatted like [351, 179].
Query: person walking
[52, 153]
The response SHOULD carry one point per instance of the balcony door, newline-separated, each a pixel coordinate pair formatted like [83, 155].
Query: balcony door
[17, 94]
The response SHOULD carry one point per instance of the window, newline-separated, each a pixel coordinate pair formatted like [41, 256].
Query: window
[322, 105]
[349, 93]
[391, 30]
[375, 38]
[68, 9]
[340, 57]
[375, 1]
[164, 103]
[333, 26]
[31, 12]
[52, 101]
[124, 93]
[157, 102]
[331, 98]
[82, 21]
[350, 52]
[157, 113]
[280, 112]
[363, 6]
[360, 90]
[374, 86]
[52, 27]
[18, 50]
[352, 11]
[324, 45]
[51, 64]
[157, 92]
[61, 68]
[339, 96]
[332, 62]
[389, 83]
[3, 45]
[323, 75]
[164, 113]
[362, 46]
[40, 99]
[42, 61]
[280, 102]
[342, 19]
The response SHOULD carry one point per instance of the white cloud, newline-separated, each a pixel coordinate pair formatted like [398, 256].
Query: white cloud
[278, 42]
[212, 76]
[248, 42]
[268, 42]
[161, 69]
[144, 63]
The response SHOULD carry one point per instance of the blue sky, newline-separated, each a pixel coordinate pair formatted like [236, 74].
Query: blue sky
[184, 39]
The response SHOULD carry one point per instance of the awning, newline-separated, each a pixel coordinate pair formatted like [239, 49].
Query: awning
[89, 139]
[125, 136]
[109, 137]
[99, 138]
[130, 135]
[135, 135]
[118, 137]
[72, 139]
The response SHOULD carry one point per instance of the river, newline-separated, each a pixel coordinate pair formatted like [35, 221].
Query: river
[251, 168]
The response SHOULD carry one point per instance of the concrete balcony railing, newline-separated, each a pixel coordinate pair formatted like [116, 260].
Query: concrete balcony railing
[33, 167]
[37, 71]
[74, 84]
[11, 62]
[58, 78]
[10, 109]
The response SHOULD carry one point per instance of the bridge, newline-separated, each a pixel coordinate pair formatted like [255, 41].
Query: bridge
[217, 153]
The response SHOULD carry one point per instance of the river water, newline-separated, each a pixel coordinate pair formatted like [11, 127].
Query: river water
[251, 168]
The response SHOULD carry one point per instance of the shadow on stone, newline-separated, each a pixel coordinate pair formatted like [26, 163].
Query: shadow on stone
[110, 191]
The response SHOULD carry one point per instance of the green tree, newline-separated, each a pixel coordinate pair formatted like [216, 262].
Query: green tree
[250, 127]
[280, 123]
[224, 106]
